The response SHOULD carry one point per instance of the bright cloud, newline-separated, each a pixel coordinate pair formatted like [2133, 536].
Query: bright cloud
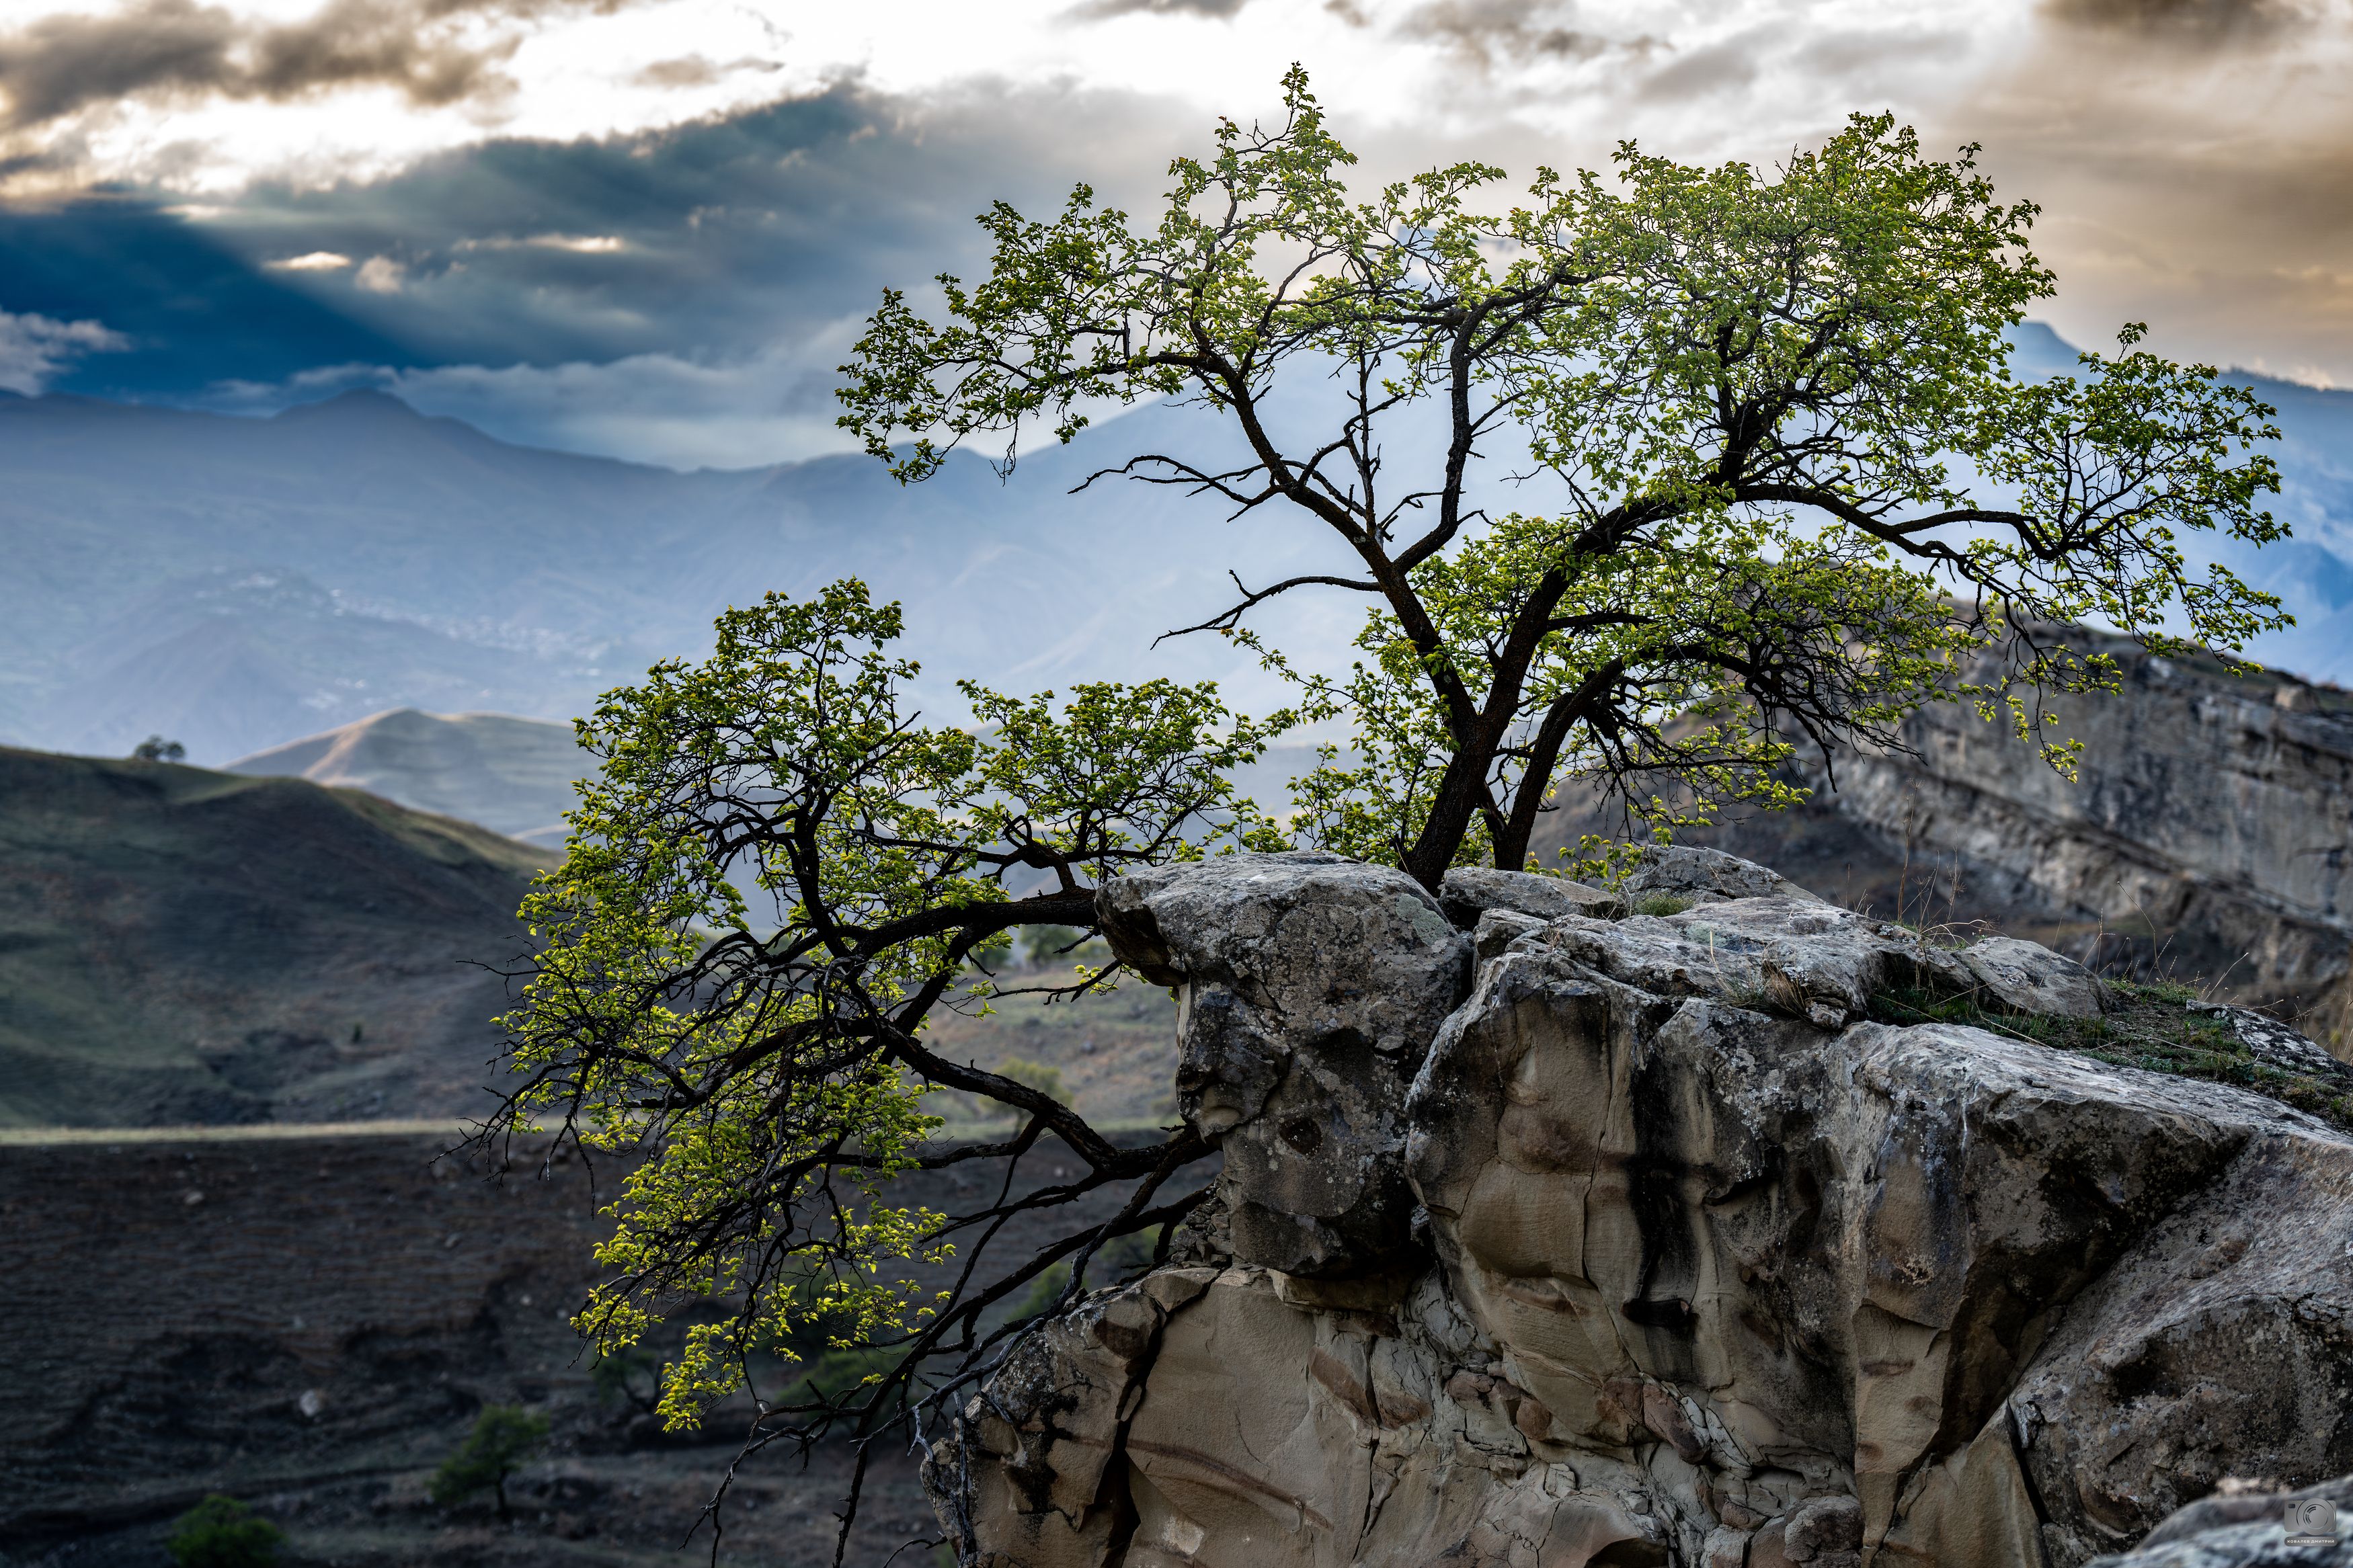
[35, 349]
[2189, 158]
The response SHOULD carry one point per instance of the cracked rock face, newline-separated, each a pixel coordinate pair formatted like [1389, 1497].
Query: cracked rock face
[1309, 987]
[1718, 1271]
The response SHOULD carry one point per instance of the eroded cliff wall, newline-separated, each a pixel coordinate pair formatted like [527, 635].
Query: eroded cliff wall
[1581, 1237]
[2207, 837]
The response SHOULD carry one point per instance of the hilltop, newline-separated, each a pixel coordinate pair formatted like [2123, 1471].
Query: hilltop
[511, 775]
[179, 945]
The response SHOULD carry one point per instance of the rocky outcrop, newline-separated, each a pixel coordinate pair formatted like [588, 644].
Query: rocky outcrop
[1309, 989]
[2249, 1526]
[1656, 1249]
[2208, 836]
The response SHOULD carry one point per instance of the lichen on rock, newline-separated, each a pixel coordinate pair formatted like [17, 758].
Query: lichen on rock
[1646, 1243]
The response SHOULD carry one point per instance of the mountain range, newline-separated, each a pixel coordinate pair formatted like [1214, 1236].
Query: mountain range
[238, 584]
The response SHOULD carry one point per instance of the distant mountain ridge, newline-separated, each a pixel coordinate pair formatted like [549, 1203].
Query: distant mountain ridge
[511, 775]
[236, 583]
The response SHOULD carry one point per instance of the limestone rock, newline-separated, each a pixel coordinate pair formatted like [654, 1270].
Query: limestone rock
[2273, 1043]
[2026, 978]
[1309, 987]
[1705, 876]
[2220, 1346]
[1026, 1469]
[2245, 1528]
[1469, 891]
[1796, 955]
[1726, 1274]
[1498, 928]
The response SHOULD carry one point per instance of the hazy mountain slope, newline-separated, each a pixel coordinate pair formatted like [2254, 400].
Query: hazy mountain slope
[2309, 572]
[511, 775]
[236, 583]
[179, 945]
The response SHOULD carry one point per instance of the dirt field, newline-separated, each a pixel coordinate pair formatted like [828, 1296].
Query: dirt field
[308, 1319]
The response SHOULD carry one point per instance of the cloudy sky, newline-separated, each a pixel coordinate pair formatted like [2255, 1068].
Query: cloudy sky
[651, 227]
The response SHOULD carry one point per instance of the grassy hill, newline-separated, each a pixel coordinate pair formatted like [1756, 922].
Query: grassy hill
[178, 945]
[511, 775]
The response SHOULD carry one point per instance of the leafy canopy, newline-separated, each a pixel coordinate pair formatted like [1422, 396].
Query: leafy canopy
[1784, 483]
[778, 875]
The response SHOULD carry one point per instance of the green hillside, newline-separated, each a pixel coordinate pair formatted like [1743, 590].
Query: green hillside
[178, 945]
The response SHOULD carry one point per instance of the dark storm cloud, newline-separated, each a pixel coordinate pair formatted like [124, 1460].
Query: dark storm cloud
[686, 239]
[187, 303]
[2187, 22]
[1491, 33]
[706, 242]
[177, 49]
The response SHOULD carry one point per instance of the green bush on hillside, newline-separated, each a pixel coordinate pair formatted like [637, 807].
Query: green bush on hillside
[504, 1435]
[222, 1532]
[1047, 1081]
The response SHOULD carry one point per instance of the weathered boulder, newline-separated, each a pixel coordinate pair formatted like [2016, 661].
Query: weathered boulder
[1309, 987]
[1704, 876]
[2248, 1527]
[2023, 977]
[1833, 1252]
[1726, 1273]
[1469, 891]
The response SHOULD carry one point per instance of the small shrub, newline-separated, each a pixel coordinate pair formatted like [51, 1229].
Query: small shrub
[1046, 1080]
[614, 1376]
[1660, 905]
[504, 1435]
[222, 1532]
[1044, 945]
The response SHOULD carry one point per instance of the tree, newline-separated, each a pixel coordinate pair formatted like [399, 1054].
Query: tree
[778, 875]
[222, 1532]
[504, 1437]
[1750, 402]
[155, 749]
[1786, 480]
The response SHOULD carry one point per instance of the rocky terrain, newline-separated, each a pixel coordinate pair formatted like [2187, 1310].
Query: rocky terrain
[1695, 1222]
[308, 1319]
[178, 945]
[2210, 837]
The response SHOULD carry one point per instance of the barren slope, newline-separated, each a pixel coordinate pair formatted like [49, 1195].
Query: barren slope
[178, 945]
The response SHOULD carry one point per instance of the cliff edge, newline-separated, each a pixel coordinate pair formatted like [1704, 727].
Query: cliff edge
[1752, 1234]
